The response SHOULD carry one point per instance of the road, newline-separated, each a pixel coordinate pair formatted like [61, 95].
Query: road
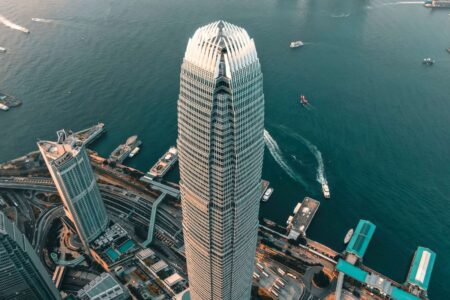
[134, 205]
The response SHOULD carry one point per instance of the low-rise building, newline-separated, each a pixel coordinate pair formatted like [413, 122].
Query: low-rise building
[103, 287]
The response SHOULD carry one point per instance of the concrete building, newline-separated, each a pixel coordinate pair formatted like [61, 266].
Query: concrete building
[103, 287]
[220, 143]
[70, 168]
[22, 275]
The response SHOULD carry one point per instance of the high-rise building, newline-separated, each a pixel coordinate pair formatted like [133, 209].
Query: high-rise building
[221, 146]
[70, 168]
[22, 275]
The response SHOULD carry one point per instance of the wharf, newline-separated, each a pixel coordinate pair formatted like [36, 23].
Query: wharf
[7, 101]
[264, 186]
[88, 135]
[437, 4]
[303, 214]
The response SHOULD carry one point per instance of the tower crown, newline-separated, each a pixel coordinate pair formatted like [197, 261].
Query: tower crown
[218, 39]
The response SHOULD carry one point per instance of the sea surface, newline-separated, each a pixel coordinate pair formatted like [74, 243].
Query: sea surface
[377, 129]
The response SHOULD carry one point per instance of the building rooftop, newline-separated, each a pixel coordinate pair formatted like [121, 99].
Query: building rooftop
[352, 271]
[160, 265]
[373, 281]
[102, 287]
[398, 294]
[143, 254]
[209, 43]
[66, 147]
[380, 283]
[172, 279]
[421, 268]
[361, 238]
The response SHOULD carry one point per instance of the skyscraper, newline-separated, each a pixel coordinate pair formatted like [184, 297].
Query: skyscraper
[22, 275]
[75, 181]
[220, 143]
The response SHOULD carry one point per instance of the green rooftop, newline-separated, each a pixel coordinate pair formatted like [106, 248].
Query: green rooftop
[351, 270]
[398, 294]
[361, 238]
[421, 267]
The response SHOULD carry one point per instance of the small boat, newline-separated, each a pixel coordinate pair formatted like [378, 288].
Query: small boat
[296, 44]
[303, 100]
[348, 236]
[448, 50]
[134, 152]
[2, 50]
[325, 190]
[428, 61]
[267, 194]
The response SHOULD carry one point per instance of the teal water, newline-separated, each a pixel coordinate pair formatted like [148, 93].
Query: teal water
[379, 118]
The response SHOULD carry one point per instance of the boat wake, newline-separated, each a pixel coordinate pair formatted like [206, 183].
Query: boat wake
[12, 25]
[344, 15]
[41, 20]
[320, 173]
[276, 153]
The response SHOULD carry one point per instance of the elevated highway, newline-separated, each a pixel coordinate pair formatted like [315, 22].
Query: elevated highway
[137, 207]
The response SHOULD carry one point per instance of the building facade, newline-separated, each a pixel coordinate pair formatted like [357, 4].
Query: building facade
[22, 275]
[70, 168]
[221, 147]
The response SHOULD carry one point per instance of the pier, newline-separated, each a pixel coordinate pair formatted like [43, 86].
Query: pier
[303, 214]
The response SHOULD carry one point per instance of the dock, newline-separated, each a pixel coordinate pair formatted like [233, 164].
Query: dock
[123, 151]
[7, 102]
[163, 165]
[303, 214]
[87, 136]
[437, 4]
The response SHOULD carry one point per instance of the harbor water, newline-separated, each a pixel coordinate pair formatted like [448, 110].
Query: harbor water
[377, 127]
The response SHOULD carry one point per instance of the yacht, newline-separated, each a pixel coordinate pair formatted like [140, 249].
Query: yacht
[428, 61]
[303, 100]
[348, 236]
[296, 44]
[325, 190]
[267, 194]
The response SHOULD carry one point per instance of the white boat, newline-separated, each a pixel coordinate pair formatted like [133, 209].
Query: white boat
[267, 194]
[2, 50]
[428, 61]
[134, 152]
[296, 44]
[348, 236]
[325, 190]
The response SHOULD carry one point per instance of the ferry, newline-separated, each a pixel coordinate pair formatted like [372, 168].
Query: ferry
[2, 50]
[90, 134]
[428, 61]
[123, 151]
[164, 163]
[348, 236]
[296, 44]
[303, 100]
[325, 190]
[134, 152]
[267, 194]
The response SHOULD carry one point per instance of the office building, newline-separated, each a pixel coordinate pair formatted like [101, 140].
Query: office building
[71, 170]
[22, 275]
[220, 143]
